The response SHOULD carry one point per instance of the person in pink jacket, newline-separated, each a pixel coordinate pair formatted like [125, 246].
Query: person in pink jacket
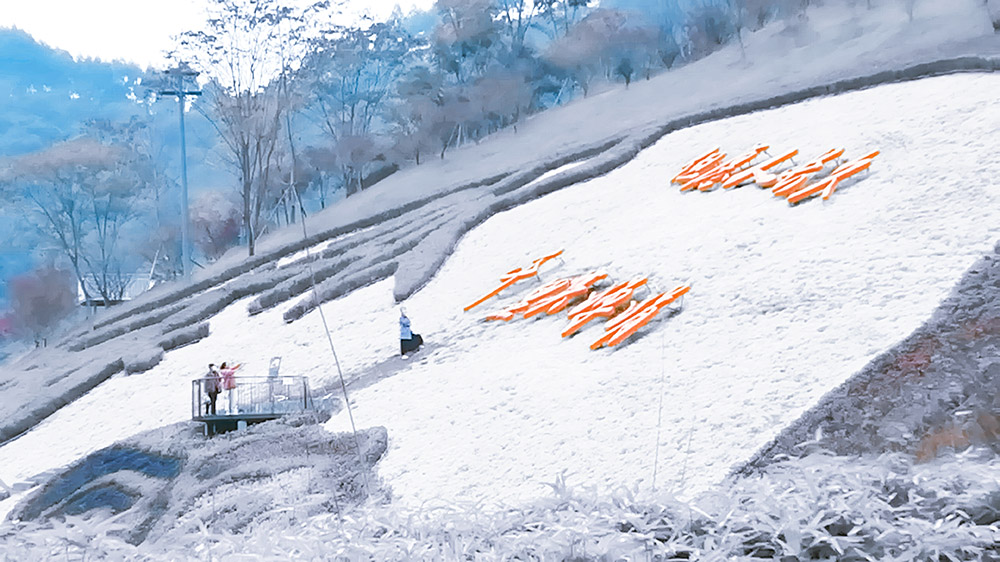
[228, 375]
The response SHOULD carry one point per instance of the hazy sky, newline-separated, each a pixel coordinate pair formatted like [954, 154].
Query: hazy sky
[136, 31]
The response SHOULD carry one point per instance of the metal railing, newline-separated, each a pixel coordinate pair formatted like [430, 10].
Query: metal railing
[252, 396]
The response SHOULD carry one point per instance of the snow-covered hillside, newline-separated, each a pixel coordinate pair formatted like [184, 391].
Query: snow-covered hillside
[786, 303]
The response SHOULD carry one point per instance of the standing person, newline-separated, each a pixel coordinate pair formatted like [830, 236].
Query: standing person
[213, 383]
[408, 341]
[229, 384]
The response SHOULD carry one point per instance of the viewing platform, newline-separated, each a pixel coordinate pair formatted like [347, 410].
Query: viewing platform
[252, 400]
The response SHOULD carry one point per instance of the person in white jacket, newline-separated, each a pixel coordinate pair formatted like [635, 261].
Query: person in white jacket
[408, 341]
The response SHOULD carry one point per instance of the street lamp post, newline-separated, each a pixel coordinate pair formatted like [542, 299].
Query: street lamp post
[181, 72]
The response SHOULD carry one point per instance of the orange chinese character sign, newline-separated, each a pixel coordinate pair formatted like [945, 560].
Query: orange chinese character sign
[636, 316]
[792, 180]
[601, 305]
[558, 300]
[773, 163]
[827, 185]
[550, 298]
[698, 165]
[711, 169]
[759, 174]
[514, 276]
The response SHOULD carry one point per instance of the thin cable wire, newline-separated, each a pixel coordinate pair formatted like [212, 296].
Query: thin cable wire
[333, 350]
[312, 278]
[687, 454]
[659, 415]
[690, 434]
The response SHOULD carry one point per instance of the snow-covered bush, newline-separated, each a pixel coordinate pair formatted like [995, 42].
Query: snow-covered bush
[215, 220]
[819, 507]
[144, 360]
[184, 336]
[40, 300]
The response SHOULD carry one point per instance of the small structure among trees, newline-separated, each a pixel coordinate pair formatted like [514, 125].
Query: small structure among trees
[124, 287]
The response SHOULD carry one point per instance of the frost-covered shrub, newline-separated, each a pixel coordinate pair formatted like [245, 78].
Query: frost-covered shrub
[300, 283]
[172, 482]
[144, 360]
[203, 307]
[215, 219]
[820, 507]
[184, 336]
[39, 301]
[353, 278]
[107, 333]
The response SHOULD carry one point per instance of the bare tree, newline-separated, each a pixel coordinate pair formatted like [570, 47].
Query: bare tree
[248, 49]
[85, 193]
[584, 51]
[250, 125]
[352, 76]
[160, 248]
[453, 118]
[465, 37]
[295, 177]
[321, 161]
[561, 15]
[758, 12]
[712, 25]
[499, 98]
[738, 16]
[119, 200]
[517, 16]
[420, 93]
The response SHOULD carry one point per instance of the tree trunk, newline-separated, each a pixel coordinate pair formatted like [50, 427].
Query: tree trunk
[79, 277]
[291, 149]
[247, 218]
[349, 185]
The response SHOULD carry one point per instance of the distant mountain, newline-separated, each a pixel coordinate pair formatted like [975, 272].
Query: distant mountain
[47, 95]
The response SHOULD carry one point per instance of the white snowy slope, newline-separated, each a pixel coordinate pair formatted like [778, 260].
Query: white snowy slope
[786, 303]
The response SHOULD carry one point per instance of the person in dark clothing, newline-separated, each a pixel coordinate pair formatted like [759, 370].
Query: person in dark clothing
[408, 341]
[212, 387]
